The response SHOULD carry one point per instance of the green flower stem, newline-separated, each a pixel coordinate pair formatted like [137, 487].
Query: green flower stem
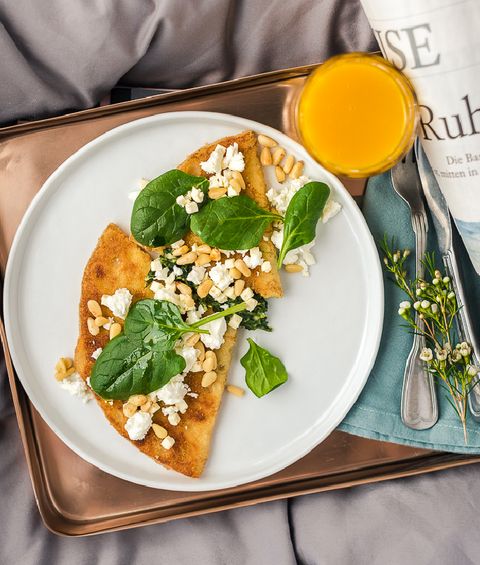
[232, 310]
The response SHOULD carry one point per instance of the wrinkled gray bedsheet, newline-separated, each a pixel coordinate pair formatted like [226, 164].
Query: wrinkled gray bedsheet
[57, 55]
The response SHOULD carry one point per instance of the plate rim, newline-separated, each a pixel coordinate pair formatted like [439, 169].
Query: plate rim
[374, 275]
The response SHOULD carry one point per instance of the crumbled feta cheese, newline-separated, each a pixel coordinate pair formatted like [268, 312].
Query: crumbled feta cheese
[96, 353]
[142, 183]
[229, 263]
[182, 200]
[235, 321]
[173, 419]
[281, 194]
[231, 192]
[190, 354]
[331, 209]
[301, 256]
[233, 159]
[254, 258]
[220, 275]
[177, 271]
[138, 425]
[214, 164]
[277, 237]
[168, 292]
[246, 294]
[76, 386]
[173, 392]
[108, 325]
[266, 267]
[230, 292]
[197, 195]
[214, 339]
[119, 302]
[191, 207]
[133, 195]
[168, 442]
[251, 304]
[196, 275]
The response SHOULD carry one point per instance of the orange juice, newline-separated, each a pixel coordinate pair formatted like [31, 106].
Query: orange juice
[357, 115]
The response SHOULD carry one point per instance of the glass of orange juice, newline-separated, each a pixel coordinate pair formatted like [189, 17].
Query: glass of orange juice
[357, 115]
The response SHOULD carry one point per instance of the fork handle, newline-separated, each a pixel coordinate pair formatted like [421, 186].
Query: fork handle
[419, 408]
[465, 328]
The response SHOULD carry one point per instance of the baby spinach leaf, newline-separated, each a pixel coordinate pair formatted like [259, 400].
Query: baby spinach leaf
[232, 223]
[302, 215]
[264, 371]
[155, 322]
[128, 367]
[157, 219]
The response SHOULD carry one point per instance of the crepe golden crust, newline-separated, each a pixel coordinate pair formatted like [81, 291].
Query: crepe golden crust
[119, 262]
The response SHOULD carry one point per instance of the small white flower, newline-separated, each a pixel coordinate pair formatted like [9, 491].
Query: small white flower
[472, 370]
[406, 253]
[438, 274]
[441, 354]
[426, 354]
[405, 304]
[419, 292]
[416, 305]
[425, 304]
[455, 356]
[396, 257]
[434, 308]
[401, 311]
[451, 295]
[446, 280]
[435, 281]
[423, 285]
[465, 349]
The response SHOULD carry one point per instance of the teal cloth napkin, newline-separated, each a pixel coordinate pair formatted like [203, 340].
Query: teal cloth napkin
[376, 413]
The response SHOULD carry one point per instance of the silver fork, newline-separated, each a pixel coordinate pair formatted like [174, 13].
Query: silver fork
[419, 409]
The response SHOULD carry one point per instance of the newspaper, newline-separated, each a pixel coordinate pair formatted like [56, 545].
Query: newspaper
[436, 44]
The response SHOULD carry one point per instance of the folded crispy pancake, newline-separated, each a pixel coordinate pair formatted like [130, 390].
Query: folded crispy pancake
[118, 262]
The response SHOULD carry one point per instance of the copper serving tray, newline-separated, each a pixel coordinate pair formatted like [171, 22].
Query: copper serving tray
[74, 497]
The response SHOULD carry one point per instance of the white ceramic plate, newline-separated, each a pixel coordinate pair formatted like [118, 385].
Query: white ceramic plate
[326, 329]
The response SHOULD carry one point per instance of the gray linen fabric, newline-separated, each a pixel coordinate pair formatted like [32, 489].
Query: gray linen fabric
[58, 55]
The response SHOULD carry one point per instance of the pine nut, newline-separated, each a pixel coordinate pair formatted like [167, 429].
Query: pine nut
[115, 329]
[236, 186]
[204, 288]
[240, 265]
[237, 175]
[209, 364]
[288, 165]
[297, 170]
[266, 141]
[239, 286]
[209, 354]
[129, 409]
[266, 157]
[146, 407]
[94, 308]
[100, 321]
[159, 431]
[215, 255]
[216, 193]
[192, 340]
[155, 407]
[92, 328]
[61, 366]
[280, 174]
[209, 378]
[68, 362]
[70, 371]
[235, 273]
[184, 288]
[60, 376]
[180, 251]
[187, 259]
[278, 155]
[188, 301]
[293, 268]
[236, 390]
[138, 399]
[201, 348]
[204, 248]
[202, 259]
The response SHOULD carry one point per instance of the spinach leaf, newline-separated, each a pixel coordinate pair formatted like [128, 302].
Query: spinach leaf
[264, 371]
[127, 367]
[302, 215]
[157, 219]
[155, 322]
[232, 223]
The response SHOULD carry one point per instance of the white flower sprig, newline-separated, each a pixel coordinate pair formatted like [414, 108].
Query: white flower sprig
[436, 304]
